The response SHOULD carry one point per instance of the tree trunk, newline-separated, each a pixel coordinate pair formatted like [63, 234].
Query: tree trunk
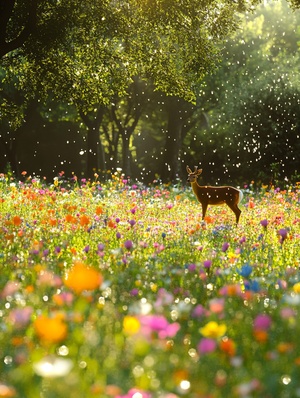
[95, 150]
[10, 161]
[95, 153]
[126, 154]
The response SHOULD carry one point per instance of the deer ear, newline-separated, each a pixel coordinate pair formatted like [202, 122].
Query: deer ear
[199, 171]
[188, 170]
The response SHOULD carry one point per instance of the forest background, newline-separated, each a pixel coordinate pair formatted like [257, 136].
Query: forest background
[96, 87]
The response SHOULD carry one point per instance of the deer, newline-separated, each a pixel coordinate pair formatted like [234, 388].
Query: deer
[208, 195]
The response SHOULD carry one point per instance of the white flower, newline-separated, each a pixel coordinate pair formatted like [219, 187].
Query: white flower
[52, 366]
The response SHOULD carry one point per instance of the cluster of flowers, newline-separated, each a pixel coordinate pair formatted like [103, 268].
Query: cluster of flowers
[120, 291]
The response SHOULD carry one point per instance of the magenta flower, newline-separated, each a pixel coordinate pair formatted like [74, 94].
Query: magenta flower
[206, 346]
[262, 322]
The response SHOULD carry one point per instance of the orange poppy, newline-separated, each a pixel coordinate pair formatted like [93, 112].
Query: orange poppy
[81, 277]
[50, 329]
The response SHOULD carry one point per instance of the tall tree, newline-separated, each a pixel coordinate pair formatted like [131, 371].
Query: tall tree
[88, 52]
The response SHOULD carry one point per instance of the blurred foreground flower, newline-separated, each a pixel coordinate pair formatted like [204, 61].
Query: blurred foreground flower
[213, 330]
[81, 277]
[53, 366]
[7, 391]
[135, 393]
[131, 325]
[206, 346]
[50, 330]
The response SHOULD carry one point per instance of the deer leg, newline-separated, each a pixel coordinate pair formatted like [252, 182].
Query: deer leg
[236, 210]
[204, 208]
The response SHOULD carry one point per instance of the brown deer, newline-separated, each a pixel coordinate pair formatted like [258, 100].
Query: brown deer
[215, 195]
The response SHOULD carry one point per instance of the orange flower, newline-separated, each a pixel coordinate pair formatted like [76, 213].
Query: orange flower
[71, 219]
[81, 277]
[50, 330]
[84, 220]
[52, 222]
[260, 335]
[285, 347]
[99, 210]
[17, 220]
[228, 346]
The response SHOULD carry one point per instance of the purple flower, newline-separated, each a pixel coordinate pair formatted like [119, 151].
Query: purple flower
[128, 244]
[282, 234]
[225, 246]
[206, 346]
[264, 223]
[199, 311]
[101, 247]
[243, 239]
[118, 235]
[191, 267]
[131, 222]
[86, 249]
[207, 263]
[262, 322]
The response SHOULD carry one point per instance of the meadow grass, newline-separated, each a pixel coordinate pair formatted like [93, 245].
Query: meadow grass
[119, 290]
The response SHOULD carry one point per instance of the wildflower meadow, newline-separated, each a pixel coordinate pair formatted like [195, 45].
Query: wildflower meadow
[116, 289]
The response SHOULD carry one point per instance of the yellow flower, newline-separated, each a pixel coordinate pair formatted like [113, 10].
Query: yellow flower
[213, 330]
[296, 287]
[50, 330]
[81, 277]
[131, 325]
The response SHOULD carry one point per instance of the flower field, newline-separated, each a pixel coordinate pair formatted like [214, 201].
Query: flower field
[119, 290]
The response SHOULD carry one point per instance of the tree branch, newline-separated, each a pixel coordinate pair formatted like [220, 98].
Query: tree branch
[6, 12]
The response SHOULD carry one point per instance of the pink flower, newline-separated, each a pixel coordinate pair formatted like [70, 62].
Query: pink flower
[20, 317]
[206, 346]
[135, 392]
[10, 289]
[158, 324]
[216, 305]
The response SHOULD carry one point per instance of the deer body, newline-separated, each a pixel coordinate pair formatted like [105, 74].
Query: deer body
[207, 195]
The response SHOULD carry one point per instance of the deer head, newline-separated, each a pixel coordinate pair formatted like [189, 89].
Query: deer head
[193, 175]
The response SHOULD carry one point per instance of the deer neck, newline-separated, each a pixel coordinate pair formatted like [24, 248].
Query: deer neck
[195, 186]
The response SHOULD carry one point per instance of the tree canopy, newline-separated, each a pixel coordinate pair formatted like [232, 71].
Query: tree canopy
[89, 56]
